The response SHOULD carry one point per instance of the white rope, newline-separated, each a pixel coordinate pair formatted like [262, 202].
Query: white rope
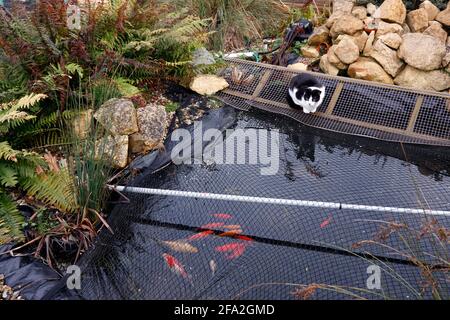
[288, 202]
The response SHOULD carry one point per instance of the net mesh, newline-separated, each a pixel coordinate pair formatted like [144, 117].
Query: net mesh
[351, 106]
[287, 252]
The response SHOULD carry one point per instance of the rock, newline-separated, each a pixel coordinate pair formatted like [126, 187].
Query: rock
[369, 44]
[113, 149]
[426, 80]
[393, 11]
[432, 10]
[417, 20]
[335, 16]
[118, 116]
[344, 6]
[347, 24]
[347, 50]
[298, 66]
[81, 124]
[444, 17]
[371, 8]
[435, 30]
[327, 67]
[368, 69]
[448, 41]
[446, 60]
[421, 51]
[320, 35]
[392, 40]
[386, 57]
[360, 39]
[310, 52]
[208, 84]
[368, 22]
[359, 12]
[384, 28]
[152, 129]
[201, 56]
[334, 60]
[406, 28]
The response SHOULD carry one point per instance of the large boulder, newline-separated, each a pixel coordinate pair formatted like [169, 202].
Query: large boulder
[347, 24]
[444, 17]
[347, 50]
[422, 51]
[368, 69]
[426, 80]
[392, 40]
[327, 67]
[359, 12]
[310, 52]
[386, 57]
[118, 116]
[113, 149]
[207, 84]
[393, 11]
[432, 10]
[384, 27]
[360, 39]
[320, 35]
[343, 6]
[435, 30]
[152, 129]
[417, 20]
[334, 60]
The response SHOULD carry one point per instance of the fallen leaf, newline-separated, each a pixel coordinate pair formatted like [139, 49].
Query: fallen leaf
[180, 246]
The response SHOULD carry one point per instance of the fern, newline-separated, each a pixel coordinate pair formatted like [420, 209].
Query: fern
[11, 220]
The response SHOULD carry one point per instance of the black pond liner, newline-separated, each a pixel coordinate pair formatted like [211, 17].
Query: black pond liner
[291, 245]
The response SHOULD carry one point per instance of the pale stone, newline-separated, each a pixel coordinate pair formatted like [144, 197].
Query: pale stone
[298, 66]
[371, 8]
[360, 39]
[435, 30]
[369, 44]
[393, 11]
[208, 84]
[432, 10]
[81, 124]
[320, 35]
[446, 60]
[386, 57]
[417, 20]
[113, 149]
[335, 16]
[118, 116]
[444, 16]
[347, 24]
[344, 6]
[327, 67]
[368, 69]
[437, 80]
[309, 52]
[359, 12]
[384, 27]
[334, 60]
[422, 51]
[392, 40]
[347, 50]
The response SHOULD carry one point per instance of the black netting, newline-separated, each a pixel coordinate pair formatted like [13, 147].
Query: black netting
[284, 247]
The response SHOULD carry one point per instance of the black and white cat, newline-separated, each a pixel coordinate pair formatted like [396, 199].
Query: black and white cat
[306, 92]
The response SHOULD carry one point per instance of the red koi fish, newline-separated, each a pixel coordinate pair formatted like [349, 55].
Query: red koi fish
[212, 225]
[175, 266]
[325, 222]
[236, 249]
[200, 235]
[224, 216]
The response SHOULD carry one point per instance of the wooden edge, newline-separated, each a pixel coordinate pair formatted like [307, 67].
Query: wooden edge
[414, 114]
[334, 98]
[262, 83]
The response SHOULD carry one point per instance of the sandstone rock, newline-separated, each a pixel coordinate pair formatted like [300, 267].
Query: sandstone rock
[113, 149]
[368, 22]
[435, 30]
[118, 116]
[152, 128]
[369, 44]
[81, 124]
[392, 40]
[386, 57]
[421, 51]
[327, 67]
[393, 11]
[334, 60]
[298, 66]
[426, 80]
[406, 28]
[444, 16]
[371, 8]
[417, 20]
[432, 10]
[368, 69]
[208, 84]
[310, 52]
[344, 6]
[320, 35]
[347, 24]
[359, 12]
[384, 28]
[446, 60]
[448, 41]
[347, 50]
[360, 39]
[335, 16]
[201, 56]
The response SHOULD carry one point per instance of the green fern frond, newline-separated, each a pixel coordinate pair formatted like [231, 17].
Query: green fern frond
[11, 220]
[8, 175]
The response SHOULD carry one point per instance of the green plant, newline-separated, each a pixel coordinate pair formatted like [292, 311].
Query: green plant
[172, 106]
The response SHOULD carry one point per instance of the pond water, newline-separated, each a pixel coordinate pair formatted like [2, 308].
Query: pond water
[284, 246]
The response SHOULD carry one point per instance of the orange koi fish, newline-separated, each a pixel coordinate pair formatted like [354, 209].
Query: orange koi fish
[200, 235]
[212, 225]
[175, 266]
[325, 222]
[236, 249]
[223, 216]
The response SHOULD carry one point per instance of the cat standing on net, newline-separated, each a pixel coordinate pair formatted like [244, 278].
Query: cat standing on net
[306, 92]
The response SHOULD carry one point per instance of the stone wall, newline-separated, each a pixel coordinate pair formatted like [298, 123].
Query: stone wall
[387, 44]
